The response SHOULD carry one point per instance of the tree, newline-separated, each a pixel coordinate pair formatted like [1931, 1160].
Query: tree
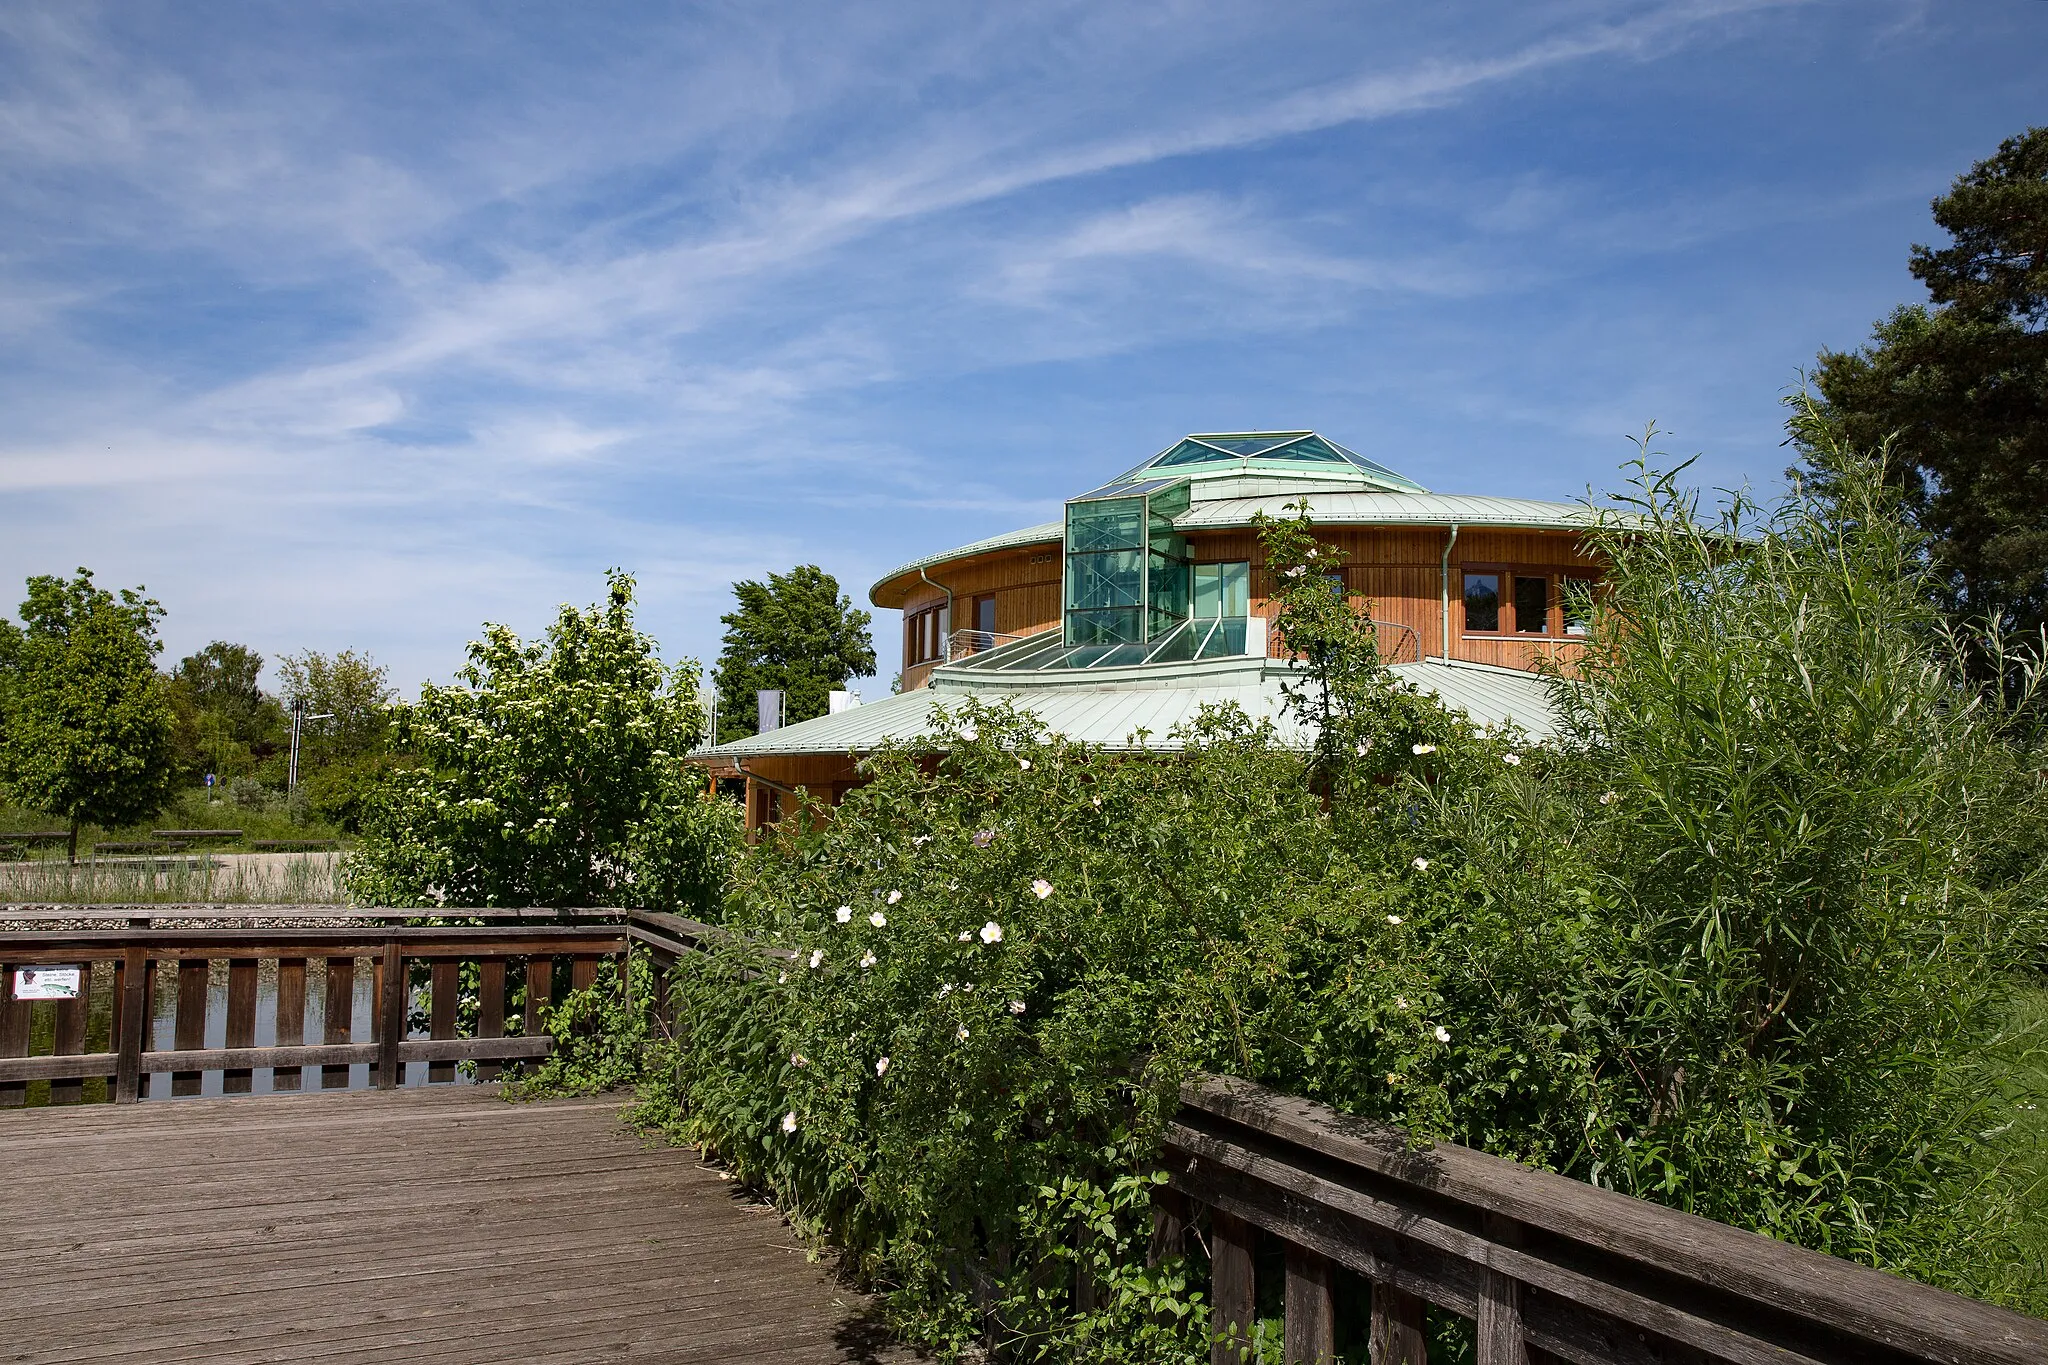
[350, 690]
[1959, 391]
[85, 722]
[796, 633]
[553, 774]
[226, 723]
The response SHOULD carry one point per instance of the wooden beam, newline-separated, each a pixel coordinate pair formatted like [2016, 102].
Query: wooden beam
[1232, 1288]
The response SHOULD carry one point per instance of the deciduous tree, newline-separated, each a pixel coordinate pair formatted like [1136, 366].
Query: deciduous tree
[798, 633]
[85, 722]
[552, 774]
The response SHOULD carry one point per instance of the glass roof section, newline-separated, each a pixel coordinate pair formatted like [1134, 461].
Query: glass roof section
[1246, 451]
[1201, 638]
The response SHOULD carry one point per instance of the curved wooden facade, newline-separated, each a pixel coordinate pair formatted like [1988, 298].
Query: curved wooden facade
[1398, 574]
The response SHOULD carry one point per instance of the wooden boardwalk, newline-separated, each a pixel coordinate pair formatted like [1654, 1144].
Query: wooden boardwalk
[438, 1225]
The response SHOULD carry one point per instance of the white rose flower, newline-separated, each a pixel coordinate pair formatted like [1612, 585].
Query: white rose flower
[878, 919]
[1024, 763]
[1041, 888]
[1420, 749]
[843, 913]
[1422, 864]
[867, 960]
[789, 1122]
[1443, 1035]
[881, 1066]
[961, 1033]
[895, 896]
[1393, 919]
[1512, 760]
[1016, 1007]
[991, 932]
[817, 957]
[966, 936]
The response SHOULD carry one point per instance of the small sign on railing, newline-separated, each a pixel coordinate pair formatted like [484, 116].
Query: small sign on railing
[47, 983]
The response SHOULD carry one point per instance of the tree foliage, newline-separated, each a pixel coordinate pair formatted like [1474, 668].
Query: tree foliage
[351, 690]
[797, 633]
[226, 724]
[1958, 391]
[552, 774]
[86, 727]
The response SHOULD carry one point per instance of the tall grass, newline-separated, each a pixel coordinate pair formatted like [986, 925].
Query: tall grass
[284, 879]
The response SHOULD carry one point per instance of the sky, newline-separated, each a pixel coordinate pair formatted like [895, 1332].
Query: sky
[358, 325]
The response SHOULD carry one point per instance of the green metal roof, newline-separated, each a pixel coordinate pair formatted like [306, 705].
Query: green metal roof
[1112, 713]
[1008, 540]
[1331, 507]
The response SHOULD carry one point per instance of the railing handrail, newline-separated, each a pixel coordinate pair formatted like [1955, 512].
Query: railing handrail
[36, 912]
[1579, 1271]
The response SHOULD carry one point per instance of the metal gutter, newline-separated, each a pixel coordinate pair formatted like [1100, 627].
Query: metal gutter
[946, 635]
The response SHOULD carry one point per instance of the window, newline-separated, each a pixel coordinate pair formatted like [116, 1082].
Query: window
[1515, 601]
[924, 635]
[1222, 590]
[1482, 603]
[985, 615]
[1532, 605]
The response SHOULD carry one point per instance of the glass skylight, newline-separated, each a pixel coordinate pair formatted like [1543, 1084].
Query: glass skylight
[1220, 452]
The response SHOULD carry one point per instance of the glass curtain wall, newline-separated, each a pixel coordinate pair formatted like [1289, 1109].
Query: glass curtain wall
[1106, 571]
[1127, 568]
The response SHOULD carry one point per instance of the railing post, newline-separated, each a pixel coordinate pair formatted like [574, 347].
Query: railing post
[1233, 1307]
[391, 1011]
[14, 1036]
[135, 1018]
[1311, 1312]
[1397, 1335]
[1501, 1341]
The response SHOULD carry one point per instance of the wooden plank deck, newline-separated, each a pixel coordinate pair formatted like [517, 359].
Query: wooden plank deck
[435, 1225]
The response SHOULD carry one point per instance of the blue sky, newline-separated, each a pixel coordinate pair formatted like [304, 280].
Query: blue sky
[357, 325]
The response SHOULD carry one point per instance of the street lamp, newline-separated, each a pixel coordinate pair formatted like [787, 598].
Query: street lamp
[299, 717]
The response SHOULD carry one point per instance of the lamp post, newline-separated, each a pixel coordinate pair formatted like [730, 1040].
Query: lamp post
[299, 717]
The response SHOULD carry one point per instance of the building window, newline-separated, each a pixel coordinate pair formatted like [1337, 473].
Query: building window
[1222, 590]
[1516, 601]
[924, 636]
[1482, 603]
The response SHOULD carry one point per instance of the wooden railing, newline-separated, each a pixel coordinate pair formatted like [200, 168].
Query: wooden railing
[1550, 1268]
[315, 960]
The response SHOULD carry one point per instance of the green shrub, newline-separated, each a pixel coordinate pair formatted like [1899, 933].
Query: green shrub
[1735, 942]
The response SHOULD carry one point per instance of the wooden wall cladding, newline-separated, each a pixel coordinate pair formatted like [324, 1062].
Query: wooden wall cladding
[1394, 572]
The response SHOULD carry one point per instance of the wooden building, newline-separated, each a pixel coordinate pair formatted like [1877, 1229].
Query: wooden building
[1154, 583]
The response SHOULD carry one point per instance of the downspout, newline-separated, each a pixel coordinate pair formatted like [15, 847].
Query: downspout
[946, 635]
[1446, 579]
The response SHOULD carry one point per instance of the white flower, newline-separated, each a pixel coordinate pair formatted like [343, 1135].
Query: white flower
[1442, 1034]
[1364, 747]
[895, 896]
[1609, 798]
[789, 1122]
[961, 1033]
[968, 733]
[920, 841]
[867, 959]
[1512, 760]
[1401, 1002]
[965, 936]
[1393, 919]
[843, 913]
[1016, 1007]
[991, 932]
[878, 919]
[797, 1059]
[945, 990]
[1420, 749]
[881, 1066]
[782, 980]
[1297, 571]
[1095, 801]
[1024, 763]
[1041, 888]
[1422, 864]
[817, 956]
